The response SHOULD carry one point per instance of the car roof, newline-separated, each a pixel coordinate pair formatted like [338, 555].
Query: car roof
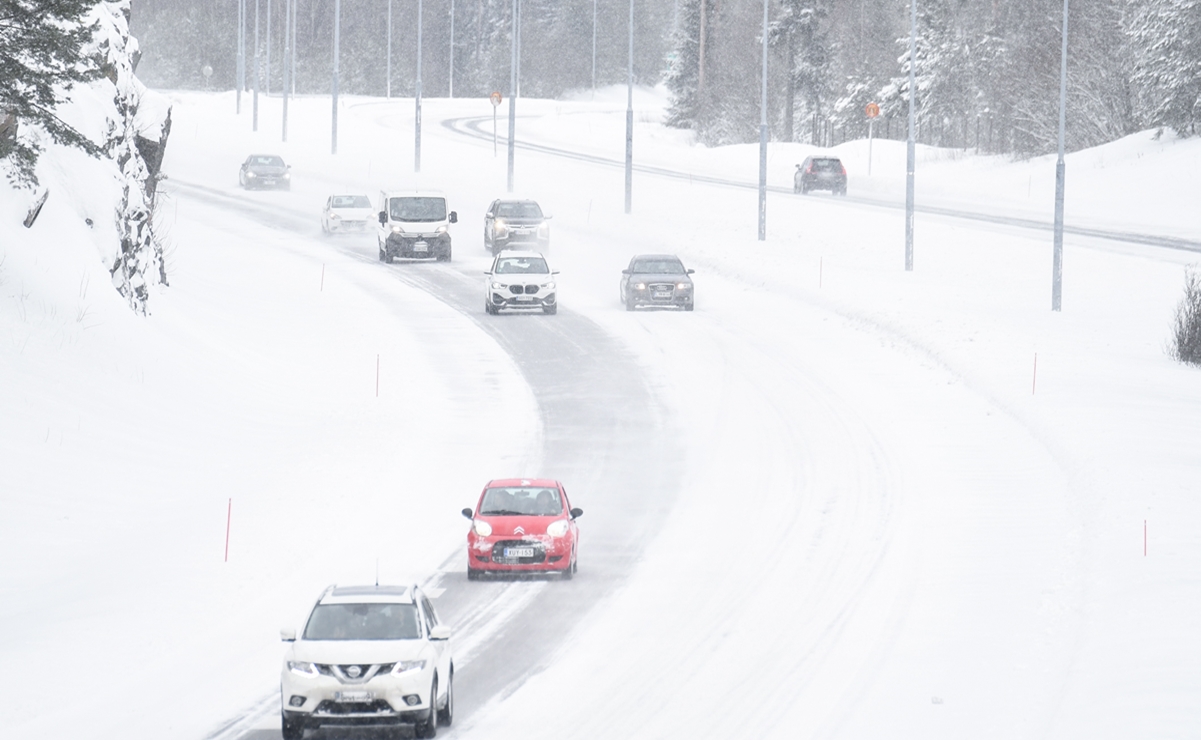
[402, 192]
[348, 195]
[517, 200]
[367, 595]
[523, 483]
[519, 253]
[655, 257]
[252, 156]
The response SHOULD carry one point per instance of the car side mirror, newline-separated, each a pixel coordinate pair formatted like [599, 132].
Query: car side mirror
[689, 272]
[287, 634]
[547, 216]
[454, 217]
[554, 272]
[383, 218]
[576, 513]
[468, 513]
[487, 272]
[625, 272]
[440, 632]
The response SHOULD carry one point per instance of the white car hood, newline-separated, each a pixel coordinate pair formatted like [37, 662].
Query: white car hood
[328, 652]
[352, 214]
[538, 278]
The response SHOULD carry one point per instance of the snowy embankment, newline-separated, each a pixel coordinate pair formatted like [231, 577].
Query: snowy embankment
[889, 524]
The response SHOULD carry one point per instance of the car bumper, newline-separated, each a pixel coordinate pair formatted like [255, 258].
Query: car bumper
[345, 225]
[833, 184]
[550, 554]
[422, 246]
[329, 702]
[676, 298]
[504, 300]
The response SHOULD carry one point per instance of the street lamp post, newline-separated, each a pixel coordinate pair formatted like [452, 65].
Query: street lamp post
[417, 101]
[594, 49]
[763, 136]
[267, 65]
[388, 84]
[630, 118]
[910, 148]
[450, 92]
[287, 55]
[255, 77]
[512, 93]
[241, 60]
[337, 41]
[1057, 259]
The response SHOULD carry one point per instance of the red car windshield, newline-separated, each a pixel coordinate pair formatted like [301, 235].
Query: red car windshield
[521, 501]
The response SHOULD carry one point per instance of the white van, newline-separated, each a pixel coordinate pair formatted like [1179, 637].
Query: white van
[414, 224]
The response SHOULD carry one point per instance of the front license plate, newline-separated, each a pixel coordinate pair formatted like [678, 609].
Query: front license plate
[525, 298]
[354, 696]
[519, 552]
[421, 247]
[662, 296]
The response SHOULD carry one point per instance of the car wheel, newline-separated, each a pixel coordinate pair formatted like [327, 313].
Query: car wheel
[446, 715]
[629, 302]
[689, 306]
[290, 729]
[552, 309]
[383, 256]
[429, 728]
[473, 574]
[491, 309]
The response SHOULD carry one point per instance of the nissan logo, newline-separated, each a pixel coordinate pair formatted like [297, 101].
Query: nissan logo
[354, 671]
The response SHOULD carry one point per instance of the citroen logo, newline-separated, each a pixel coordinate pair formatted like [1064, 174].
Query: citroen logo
[518, 530]
[354, 671]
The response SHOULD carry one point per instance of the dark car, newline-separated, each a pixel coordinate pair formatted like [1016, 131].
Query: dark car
[510, 223]
[820, 173]
[265, 171]
[656, 280]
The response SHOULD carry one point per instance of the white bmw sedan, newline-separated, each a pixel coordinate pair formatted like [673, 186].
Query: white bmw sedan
[520, 280]
[368, 655]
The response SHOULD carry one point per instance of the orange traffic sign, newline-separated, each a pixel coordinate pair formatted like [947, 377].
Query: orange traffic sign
[872, 110]
[495, 98]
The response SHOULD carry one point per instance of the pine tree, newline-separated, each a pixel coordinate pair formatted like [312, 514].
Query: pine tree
[1167, 71]
[799, 30]
[41, 57]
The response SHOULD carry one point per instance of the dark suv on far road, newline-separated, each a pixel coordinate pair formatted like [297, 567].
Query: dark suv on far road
[820, 173]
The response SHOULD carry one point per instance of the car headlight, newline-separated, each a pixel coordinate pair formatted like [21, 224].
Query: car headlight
[441, 229]
[397, 230]
[301, 668]
[639, 286]
[405, 666]
[334, 215]
[287, 175]
[500, 226]
[498, 286]
[557, 528]
[543, 229]
[549, 286]
[683, 286]
[482, 528]
[251, 174]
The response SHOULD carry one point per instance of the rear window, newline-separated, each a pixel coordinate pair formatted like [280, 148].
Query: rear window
[363, 622]
[827, 165]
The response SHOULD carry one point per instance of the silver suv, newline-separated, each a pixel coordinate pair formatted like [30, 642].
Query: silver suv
[368, 655]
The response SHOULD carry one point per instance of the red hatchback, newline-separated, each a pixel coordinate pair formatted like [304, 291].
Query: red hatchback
[522, 526]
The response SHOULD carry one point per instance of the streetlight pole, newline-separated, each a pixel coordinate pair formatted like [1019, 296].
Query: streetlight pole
[267, 78]
[910, 149]
[594, 49]
[295, 22]
[763, 137]
[255, 76]
[630, 118]
[1057, 259]
[337, 40]
[287, 55]
[450, 93]
[388, 86]
[512, 93]
[417, 106]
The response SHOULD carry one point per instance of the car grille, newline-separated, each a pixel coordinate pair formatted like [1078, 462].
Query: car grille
[338, 708]
[527, 289]
[498, 552]
[366, 671]
[662, 291]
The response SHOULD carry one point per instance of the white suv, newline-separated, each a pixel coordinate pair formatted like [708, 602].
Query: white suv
[368, 655]
[520, 280]
[414, 224]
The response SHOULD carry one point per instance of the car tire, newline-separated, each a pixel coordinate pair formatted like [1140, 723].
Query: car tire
[290, 729]
[473, 574]
[429, 728]
[489, 308]
[690, 305]
[446, 715]
[551, 310]
[630, 303]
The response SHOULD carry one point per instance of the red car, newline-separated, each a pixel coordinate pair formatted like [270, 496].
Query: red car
[522, 526]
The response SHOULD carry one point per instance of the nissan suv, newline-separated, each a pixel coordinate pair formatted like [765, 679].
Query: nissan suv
[415, 225]
[368, 655]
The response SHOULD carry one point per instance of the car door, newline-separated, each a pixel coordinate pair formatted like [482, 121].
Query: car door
[489, 221]
[441, 648]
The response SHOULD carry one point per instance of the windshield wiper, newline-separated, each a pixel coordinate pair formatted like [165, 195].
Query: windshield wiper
[501, 512]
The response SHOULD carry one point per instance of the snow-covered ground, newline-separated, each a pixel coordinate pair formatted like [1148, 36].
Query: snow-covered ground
[889, 524]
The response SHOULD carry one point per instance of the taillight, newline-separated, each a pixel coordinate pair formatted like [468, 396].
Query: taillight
[844, 168]
[809, 171]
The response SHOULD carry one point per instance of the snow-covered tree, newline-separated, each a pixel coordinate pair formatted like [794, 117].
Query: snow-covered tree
[799, 31]
[1166, 36]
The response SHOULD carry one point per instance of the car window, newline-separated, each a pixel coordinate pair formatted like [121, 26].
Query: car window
[521, 501]
[267, 161]
[431, 616]
[521, 266]
[350, 201]
[518, 210]
[660, 266]
[363, 622]
[827, 165]
[417, 209]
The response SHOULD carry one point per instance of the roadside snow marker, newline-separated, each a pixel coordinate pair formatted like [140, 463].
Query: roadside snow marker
[1034, 382]
[229, 511]
[377, 376]
[322, 290]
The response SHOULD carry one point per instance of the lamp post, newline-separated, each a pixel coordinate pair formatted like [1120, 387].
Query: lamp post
[450, 91]
[287, 56]
[763, 137]
[594, 49]
[1057, 258]
[337, 40]
[241, 59]
[630, 118]
[267, 65]
[417, 101]
[388, 64]
[255, 77]
[910, 148]
[512, 93]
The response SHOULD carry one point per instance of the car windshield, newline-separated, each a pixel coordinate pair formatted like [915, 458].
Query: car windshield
[521, 266]
[265, 160]
[350, 201]
[666, 266]
[363, 622]
[827, 165]
[519, 210]
[417, 209]
[521, 501]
